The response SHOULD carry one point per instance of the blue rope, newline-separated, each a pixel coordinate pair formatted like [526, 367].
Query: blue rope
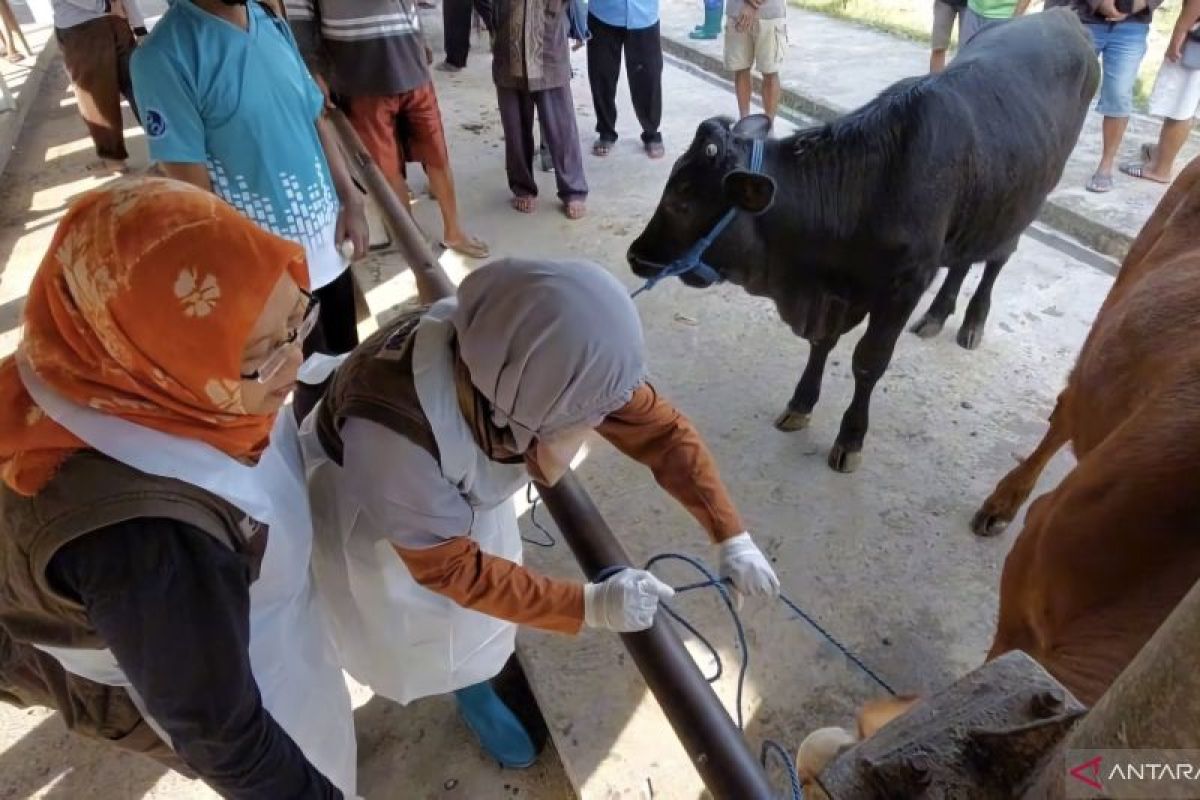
[723, 588]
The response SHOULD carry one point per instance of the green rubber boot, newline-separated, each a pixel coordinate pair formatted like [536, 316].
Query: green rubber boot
[711, 28]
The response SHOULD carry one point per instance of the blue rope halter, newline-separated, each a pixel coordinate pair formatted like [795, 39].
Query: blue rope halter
[693, 259]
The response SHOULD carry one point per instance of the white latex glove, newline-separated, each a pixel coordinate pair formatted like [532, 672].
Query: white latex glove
[624, 603]
[745, 565]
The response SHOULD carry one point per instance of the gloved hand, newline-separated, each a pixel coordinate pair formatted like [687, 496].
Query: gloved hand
[745, 565]
[625, 602]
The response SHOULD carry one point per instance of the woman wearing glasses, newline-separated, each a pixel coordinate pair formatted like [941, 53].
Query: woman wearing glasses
[421, 440]
[155, 533]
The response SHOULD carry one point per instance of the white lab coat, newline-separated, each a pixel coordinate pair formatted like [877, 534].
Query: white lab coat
[291, 653]
[399, 638]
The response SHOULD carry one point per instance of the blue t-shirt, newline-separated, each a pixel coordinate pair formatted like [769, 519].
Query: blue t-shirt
[242, 102]
[631, 14]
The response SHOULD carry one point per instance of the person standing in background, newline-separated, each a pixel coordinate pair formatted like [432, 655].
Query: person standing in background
[372, 55]
[1175, 98]
[756, 32]
[631, 26]
[230, 107]
[945, 12]
[531, 66]
[456, 30]
[1119, 30]
[97, 44]
[980, 13]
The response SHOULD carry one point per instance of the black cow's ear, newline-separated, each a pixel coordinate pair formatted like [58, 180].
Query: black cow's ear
[755, 126]
[749, 191]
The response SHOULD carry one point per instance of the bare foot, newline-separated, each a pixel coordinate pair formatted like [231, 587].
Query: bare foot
[575, 209]
[467, 245]
[108, 166]
[655, 150]
[525, 204]
[15, 57]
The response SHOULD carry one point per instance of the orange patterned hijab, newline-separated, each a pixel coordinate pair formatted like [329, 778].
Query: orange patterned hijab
[141, 309]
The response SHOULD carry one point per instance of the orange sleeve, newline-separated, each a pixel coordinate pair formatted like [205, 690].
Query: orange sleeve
[652, 432]
[496, 586]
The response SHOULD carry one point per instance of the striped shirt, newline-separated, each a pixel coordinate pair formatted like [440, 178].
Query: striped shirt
[365, 47]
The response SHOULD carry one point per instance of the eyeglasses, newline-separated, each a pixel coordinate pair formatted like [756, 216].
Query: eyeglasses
[274, 361]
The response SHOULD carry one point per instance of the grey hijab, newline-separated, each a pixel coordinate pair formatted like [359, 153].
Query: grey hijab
[551, 344]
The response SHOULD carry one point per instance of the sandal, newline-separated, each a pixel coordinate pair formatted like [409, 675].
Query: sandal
[1100, 183]
[1139, 171]
[575, 209]
[470, 246]
[655, 150]
[526, 204]
[602, 147]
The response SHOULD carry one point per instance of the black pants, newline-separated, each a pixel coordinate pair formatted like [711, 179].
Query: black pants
[456, 27]
[336, 332]
[643, 64]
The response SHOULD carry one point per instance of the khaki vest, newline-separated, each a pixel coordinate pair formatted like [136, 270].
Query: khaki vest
[90, 492]
[376, 383]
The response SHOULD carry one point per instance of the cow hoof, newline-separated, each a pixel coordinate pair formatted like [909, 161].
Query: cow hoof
[928, 327]
[790, 421]
[969, 337]
[986, 524]
[843, 460]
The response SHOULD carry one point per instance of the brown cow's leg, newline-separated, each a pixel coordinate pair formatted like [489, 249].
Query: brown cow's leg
[1105, 557]
[871, 359]
[971, 332]
[943, 305]
[1013, 490]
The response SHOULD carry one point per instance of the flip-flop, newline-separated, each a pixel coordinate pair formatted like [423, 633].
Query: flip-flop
[1100, 183]
[526, 204]
[575, 209]
[655, 150]
[1139, 171]
[602, 148]
[446, 66]
[471, 248]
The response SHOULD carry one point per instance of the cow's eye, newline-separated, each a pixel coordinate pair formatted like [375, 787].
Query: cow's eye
[711, 150]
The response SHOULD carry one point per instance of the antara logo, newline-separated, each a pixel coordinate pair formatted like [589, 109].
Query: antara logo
[1089, 772]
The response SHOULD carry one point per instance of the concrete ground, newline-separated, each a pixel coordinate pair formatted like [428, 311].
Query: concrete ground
[882, 558]
[834, 66]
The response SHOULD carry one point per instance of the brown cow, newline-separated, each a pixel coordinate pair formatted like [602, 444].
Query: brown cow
[1106, 555]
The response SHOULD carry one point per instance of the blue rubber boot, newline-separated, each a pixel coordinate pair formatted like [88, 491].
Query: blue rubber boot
[498, 730]
[711, 28]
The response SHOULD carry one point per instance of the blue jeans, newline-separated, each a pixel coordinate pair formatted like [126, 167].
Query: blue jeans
[1120, 47]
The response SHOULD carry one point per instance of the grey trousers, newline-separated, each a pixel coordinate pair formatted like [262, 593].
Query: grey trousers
[556, 110]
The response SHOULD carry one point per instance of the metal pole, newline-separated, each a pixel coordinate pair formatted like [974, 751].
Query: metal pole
[432, 283]
[717, 748]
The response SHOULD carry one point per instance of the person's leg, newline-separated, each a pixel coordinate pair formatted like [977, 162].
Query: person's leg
[456, 32]
[336, 333]
[739, 58]
[969, 24]
[516, 118]
[604, 70]
[125, 47]
[428, 145]
[1123, 50]
[91, 60]
[1176, 98]
[373, 118]
[770, 50]
[486, 12]
[939, 36]
[557, 109]
[711, 29]
[644, 66]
